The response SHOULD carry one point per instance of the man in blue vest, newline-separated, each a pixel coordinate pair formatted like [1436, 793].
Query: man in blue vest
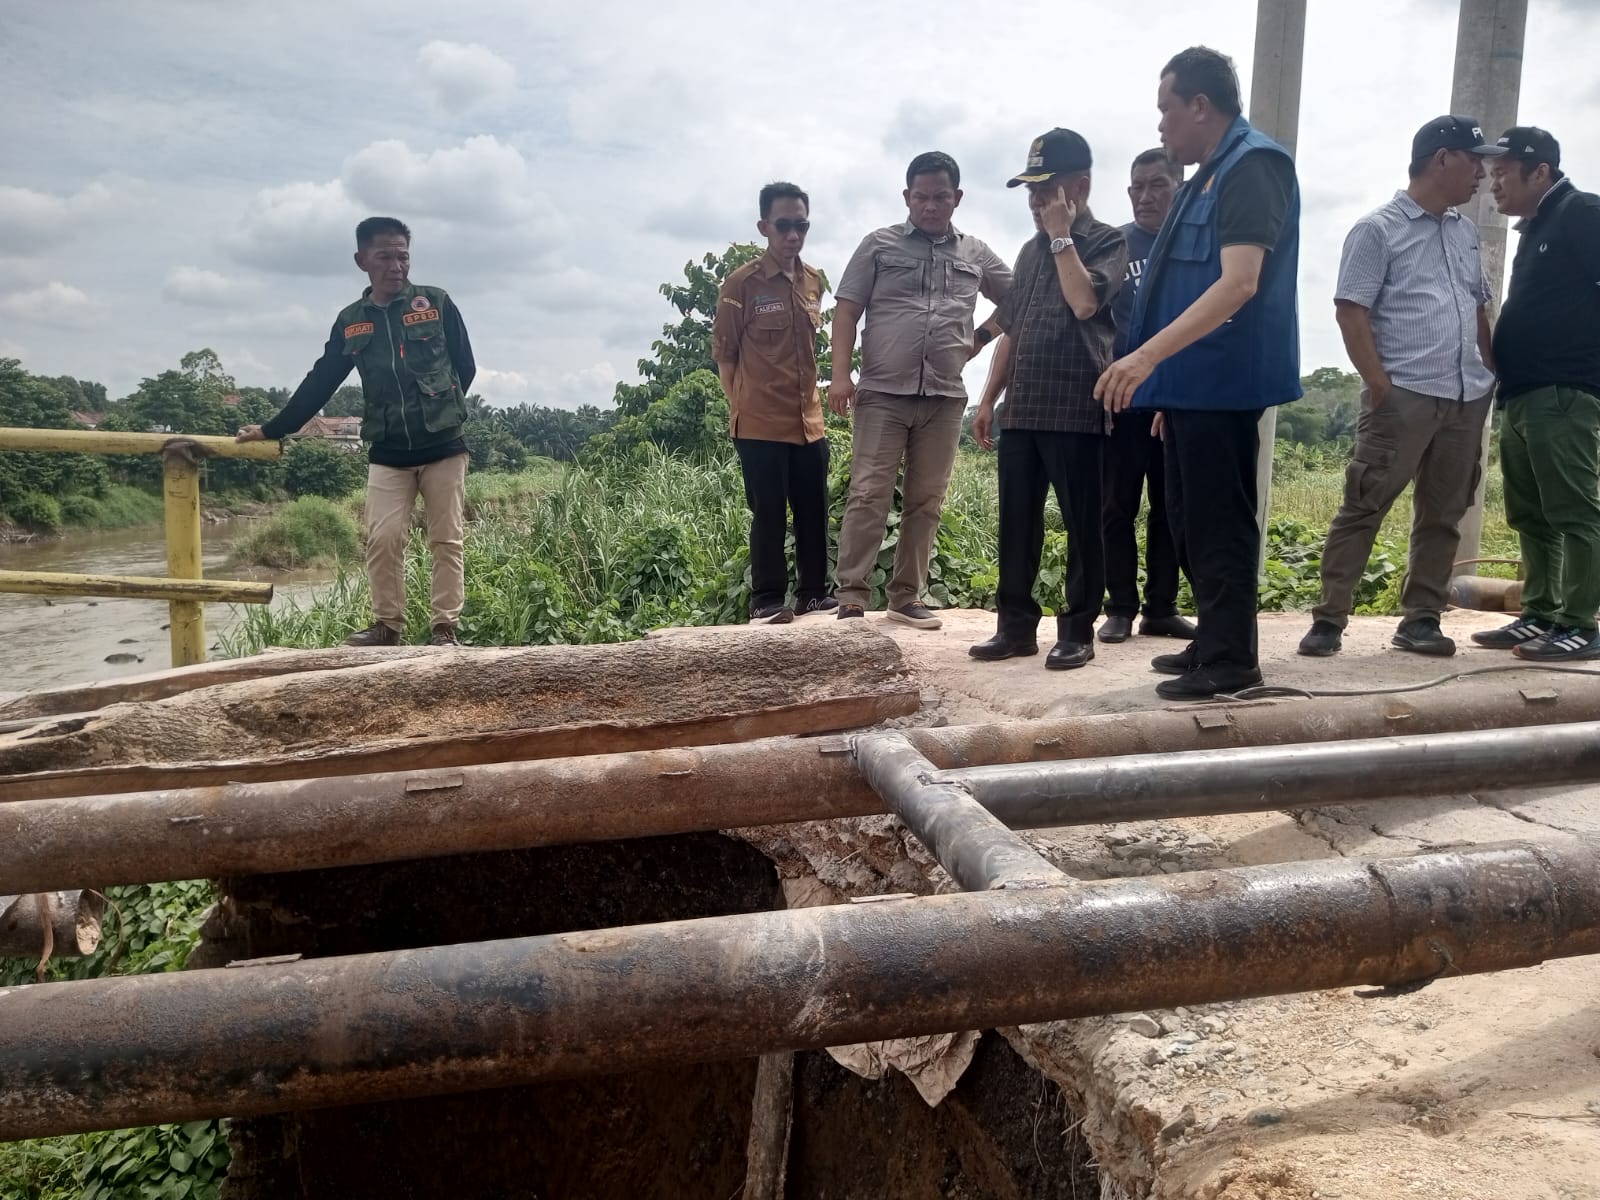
[1214, 340]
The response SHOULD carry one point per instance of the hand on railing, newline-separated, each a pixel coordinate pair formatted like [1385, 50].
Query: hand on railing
[250, 433]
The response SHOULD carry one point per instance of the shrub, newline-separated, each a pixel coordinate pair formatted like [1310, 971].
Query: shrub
[78, 509]
[317, 467]
[306, 532]
[36, 511]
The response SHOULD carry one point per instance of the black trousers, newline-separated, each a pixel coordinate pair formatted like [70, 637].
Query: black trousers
[1211, 506]
[778, 477]
[1133, 456]
[1032, 462]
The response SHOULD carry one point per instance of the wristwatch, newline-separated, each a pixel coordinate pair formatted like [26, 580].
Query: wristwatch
[1057, 245]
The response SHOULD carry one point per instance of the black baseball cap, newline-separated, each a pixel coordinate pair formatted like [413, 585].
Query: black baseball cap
[1451, 133]
[1531, 144]
[1059, 152]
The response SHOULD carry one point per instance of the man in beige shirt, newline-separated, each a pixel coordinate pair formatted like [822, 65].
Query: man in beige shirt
[917, 283]
[764, 341]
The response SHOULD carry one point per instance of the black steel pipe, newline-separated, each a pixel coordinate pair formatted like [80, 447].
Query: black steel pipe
[145, 1049]
[1262, 778]
[979, 851]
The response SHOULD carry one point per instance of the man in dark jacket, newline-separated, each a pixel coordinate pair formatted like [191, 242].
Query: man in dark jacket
[1213, 341]
[1547, 353]
[409, 344]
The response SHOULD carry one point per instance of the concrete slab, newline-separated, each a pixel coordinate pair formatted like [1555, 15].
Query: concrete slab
[1485, 1088]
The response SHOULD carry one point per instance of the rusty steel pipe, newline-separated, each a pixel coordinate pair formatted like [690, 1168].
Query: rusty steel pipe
[979, 851]
[243, 829]
[1201, 783]
[139, 1050]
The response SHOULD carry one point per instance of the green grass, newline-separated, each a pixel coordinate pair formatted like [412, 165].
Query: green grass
[306, 532]
[582, 554]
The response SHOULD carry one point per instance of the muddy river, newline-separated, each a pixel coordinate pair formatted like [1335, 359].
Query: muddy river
[47, 642]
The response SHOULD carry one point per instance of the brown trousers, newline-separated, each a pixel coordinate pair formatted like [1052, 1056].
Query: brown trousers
[1412, 437]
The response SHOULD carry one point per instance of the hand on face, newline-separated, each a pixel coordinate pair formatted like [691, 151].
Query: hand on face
[1057, 213]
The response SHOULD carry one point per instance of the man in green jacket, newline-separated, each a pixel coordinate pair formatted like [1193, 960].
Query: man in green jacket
[410, 346]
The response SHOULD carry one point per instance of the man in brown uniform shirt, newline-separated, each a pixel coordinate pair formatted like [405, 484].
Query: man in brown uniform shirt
[764, 341]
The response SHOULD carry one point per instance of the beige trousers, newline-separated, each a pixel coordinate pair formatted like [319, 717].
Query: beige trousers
[391, 495]
[923, 432]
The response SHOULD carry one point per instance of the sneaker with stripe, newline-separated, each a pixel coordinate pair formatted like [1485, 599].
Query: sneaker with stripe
[1562, 644]
[1509, 637]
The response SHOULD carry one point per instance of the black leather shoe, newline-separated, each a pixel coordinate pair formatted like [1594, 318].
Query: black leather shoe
[1175, 626]
[1000, 646]
[1174, 664]
[1203, 683]
[1115, 629]
[1064, 656]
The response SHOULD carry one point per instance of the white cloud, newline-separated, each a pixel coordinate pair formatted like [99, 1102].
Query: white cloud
[592, 384]
[502, 387]
[33, 221]
[56, 303]
[483, 181]
[197, 286]
[298, 229]
[290, 318]
[464, 76]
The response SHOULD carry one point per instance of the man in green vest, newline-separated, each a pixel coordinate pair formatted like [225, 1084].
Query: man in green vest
[410, 346]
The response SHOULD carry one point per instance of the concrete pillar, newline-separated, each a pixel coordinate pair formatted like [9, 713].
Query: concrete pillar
[1275, 110]
[1487, 84]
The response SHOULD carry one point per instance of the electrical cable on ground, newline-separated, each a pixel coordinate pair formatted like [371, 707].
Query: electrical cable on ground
[1271, 691]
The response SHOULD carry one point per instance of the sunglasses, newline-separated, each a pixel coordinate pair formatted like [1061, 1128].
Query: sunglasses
[785, 225]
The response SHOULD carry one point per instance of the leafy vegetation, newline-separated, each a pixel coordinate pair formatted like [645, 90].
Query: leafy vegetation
[307, 532]
[158, 927]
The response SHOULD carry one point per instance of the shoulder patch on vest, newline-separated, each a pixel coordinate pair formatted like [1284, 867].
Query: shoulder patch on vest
[417, 318]
[358, 329]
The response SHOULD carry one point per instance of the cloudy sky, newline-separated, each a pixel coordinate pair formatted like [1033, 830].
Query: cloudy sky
[178, 173]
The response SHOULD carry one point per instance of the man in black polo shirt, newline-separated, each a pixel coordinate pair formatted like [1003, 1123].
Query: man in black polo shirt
[1058, 335]
[1547, 354]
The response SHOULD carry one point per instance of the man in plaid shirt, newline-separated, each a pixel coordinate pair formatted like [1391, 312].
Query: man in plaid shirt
[1058, 338]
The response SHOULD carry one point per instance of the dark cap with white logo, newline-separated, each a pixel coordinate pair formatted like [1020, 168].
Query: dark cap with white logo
[1451, 133]
[1532, 145]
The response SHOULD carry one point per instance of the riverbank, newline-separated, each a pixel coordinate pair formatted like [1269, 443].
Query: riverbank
[123, 507]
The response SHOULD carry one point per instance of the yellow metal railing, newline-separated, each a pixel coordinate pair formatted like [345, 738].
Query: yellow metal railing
[183, 588]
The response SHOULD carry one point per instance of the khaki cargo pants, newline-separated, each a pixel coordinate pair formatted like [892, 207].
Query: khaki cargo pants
[1411, 437]
[391, 495]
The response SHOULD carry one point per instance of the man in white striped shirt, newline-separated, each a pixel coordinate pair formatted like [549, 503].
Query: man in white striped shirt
[1412, 304]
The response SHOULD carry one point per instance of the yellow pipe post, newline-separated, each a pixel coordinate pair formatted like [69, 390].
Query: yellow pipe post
[181, 486]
